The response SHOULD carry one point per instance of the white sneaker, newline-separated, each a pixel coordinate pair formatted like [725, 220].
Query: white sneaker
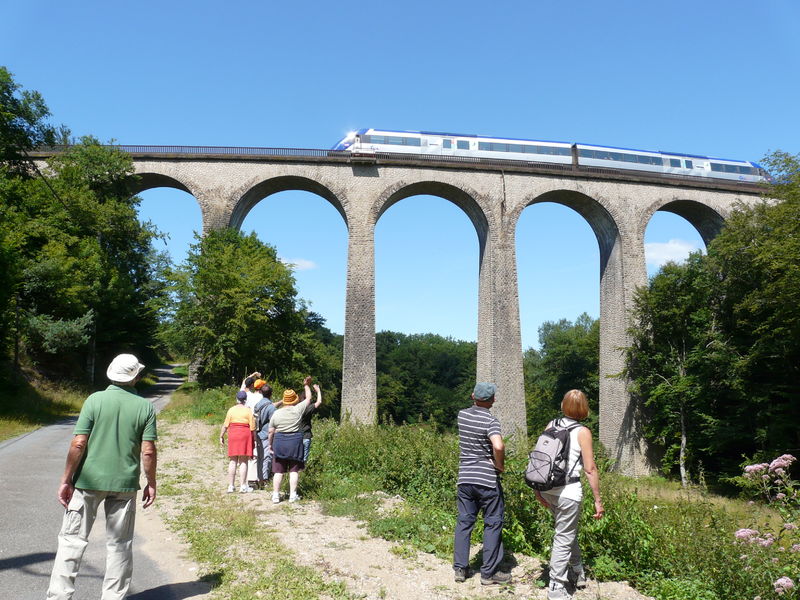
[276, 497]
[230, 489]
[556, 591]
[245, 489]
[294, 498]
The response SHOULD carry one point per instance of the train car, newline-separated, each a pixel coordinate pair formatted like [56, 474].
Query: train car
[669, 162]
[371, 141]
[366, 141]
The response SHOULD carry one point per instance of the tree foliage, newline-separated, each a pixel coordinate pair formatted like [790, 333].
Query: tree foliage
[77, 279]
[423, 377]
[568, 358]
[236, 310]
[718, 338]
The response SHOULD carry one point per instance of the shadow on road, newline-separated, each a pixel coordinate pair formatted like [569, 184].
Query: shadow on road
[18, 562]
[174, 591]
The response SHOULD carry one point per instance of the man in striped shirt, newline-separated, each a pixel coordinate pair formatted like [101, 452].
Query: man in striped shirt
[481, 457]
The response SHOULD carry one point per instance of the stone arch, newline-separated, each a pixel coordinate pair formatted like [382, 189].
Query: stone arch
[707, 221]
[600, 219]
[466, 199]
[282, 183]
[141, 182]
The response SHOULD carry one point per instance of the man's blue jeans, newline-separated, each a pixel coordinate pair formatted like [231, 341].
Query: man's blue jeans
[471, 499]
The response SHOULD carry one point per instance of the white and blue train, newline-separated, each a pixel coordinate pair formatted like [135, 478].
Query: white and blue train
[371, 141]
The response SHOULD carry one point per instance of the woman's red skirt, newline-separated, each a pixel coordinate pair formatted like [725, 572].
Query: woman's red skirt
[240, 440]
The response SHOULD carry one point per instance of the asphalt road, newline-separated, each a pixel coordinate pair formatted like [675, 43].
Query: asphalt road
[30, 518]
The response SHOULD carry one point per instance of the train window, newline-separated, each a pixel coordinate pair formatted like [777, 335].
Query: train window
[462, 144]
[675, 162]
[447, 143]
[584, 153]
[716, 167]
[516, 148]
[563, 151]
[601, 155]
[615, 155]
[689, 164]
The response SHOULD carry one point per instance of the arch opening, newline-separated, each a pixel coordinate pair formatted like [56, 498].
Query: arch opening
[561, 239]
[275, 185]
[677, 229]
[309, 236]
[176, 214]
[426, 297]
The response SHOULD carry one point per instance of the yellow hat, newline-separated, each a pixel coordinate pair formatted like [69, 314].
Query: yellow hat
[290, 397]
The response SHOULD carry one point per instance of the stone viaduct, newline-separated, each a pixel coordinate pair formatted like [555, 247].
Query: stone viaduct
[618, 205]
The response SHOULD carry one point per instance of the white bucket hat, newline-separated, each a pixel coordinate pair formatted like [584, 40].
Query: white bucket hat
[124, 368]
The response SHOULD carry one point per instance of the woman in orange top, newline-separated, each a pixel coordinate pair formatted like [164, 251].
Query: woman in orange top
[240, 425]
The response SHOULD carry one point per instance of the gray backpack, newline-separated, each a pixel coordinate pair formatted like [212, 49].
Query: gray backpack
[547, 462]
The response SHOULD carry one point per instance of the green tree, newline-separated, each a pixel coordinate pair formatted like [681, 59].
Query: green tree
[423, 377]
[715, 356]
[237, 308]
[675, 337]
[83, 281]
[23, 124]
[568, 358]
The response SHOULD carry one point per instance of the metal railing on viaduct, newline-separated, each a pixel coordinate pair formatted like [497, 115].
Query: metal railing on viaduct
[617, 205]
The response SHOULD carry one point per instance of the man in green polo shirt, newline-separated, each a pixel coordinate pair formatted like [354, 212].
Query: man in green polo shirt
[115, 428]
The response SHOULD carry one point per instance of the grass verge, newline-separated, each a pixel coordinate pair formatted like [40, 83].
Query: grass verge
[240, 558]
[25, 407]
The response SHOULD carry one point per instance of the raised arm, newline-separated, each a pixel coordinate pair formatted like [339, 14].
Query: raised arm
[318, 401]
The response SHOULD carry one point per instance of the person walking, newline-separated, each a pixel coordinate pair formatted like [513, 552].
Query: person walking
[566, 566]
[480, 462]
[114, 438]
[240, 425]
[286, 440]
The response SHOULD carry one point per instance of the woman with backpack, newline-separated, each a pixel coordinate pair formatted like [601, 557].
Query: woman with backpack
[566, 567]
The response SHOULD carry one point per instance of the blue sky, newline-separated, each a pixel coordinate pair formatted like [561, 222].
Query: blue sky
[717, 78]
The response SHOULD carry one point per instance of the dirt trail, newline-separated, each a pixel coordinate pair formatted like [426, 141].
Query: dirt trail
[340, 547]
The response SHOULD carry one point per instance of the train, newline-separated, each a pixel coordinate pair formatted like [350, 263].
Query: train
[371, 141]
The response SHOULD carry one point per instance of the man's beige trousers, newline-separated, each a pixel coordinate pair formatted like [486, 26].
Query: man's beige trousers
[120, 509]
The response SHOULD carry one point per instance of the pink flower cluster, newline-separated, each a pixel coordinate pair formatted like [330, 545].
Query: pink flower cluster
[753, 470]
[752, 536]
[746, 535]
[782, 462]
[783, 585]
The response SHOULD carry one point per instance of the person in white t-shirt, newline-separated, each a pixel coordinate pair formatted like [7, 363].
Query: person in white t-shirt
[566, 567]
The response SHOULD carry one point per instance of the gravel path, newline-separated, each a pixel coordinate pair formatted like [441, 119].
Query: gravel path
[340, 547]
